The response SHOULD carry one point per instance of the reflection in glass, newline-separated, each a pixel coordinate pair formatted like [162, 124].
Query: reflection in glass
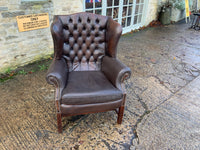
[90, 11]
[130, 1]
[125, 2]
[129, 21]
[124, 12]
[88, 5]
[123, 22]
[116, 12]
[98, 4]
[135, 20]
[136, 9]
[130, 10]
[98, 11]
[109, 3]
[116, 2]
[137, 1]
[141, 8]
[139, 18]
[109, 12]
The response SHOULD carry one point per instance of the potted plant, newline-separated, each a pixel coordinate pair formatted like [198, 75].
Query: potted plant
[165, 12]
[178, 10]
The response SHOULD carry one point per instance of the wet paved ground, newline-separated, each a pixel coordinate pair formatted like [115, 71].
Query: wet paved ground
[162, 108]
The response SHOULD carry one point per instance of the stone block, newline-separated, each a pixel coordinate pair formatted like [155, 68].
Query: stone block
[12, 14]
[3, 8]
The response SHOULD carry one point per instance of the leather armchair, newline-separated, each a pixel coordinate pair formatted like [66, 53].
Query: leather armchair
[85, 71]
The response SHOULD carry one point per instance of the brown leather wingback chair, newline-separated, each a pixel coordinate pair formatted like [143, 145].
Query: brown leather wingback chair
[85, 71]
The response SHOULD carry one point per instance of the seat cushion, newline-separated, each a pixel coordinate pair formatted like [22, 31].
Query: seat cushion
[89, 87]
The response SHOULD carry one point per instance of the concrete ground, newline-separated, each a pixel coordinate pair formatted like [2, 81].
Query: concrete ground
[162, 107]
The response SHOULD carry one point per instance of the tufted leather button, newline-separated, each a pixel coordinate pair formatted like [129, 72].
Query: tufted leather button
[70, 20]
[72, 54]
[66, 49]
[84, 40]
[80, 41]
[84, 47]
[88, 54]
[83, 60]
[75, 27]
[93, 28]
[79, 20]
[66, 35]
[75, 34]
[71, 27]
[66, 27]
[88, 41]
[88, 20]
[76, 48]
[92, 47]
[71, 41]
[84, 34]
[97, 20]
[80, 54]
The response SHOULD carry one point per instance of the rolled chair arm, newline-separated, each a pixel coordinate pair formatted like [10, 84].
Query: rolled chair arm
[57, 75]
[115, 71]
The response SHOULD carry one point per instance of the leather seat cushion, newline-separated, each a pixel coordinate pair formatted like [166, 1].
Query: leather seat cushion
[89, 87]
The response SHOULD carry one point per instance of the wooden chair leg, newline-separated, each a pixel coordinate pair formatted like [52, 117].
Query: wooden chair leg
[59, 122]
[120, 114]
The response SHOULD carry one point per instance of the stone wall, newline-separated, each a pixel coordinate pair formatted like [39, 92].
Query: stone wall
[152, 11]
[20, 48]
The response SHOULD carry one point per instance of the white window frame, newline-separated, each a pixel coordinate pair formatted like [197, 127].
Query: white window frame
[120, 17]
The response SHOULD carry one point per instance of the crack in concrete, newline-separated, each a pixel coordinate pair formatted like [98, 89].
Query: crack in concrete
[106, 143]
[146, 112]
[161, 82]
[173, 94]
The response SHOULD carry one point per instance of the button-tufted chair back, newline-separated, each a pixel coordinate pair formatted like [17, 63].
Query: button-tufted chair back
[80, 38]
[85, 71]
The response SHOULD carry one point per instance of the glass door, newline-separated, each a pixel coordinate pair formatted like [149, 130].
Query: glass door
[128, 13]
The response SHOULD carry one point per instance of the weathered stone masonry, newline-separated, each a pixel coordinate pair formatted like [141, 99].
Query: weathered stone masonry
[20, 48]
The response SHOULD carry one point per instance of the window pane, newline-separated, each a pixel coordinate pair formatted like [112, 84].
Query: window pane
[98, 4]
[141, 8]
[125, 2]
[129, 21]
[109, 2]
[135, 20]
[139, 18]
[116, 2]
[124, 12]
[136, 9]
[130, 10]
[116, 13]
[90, 11]
[137, 1]
[123, 22]
[130, 1]
[141, 1]
[109, 12]
[98, 11]
[88, 5]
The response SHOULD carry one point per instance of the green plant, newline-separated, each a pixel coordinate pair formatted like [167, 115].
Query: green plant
[8, 71]
[163, 6]
[22, 72]
[42, 67]
[179, 4]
